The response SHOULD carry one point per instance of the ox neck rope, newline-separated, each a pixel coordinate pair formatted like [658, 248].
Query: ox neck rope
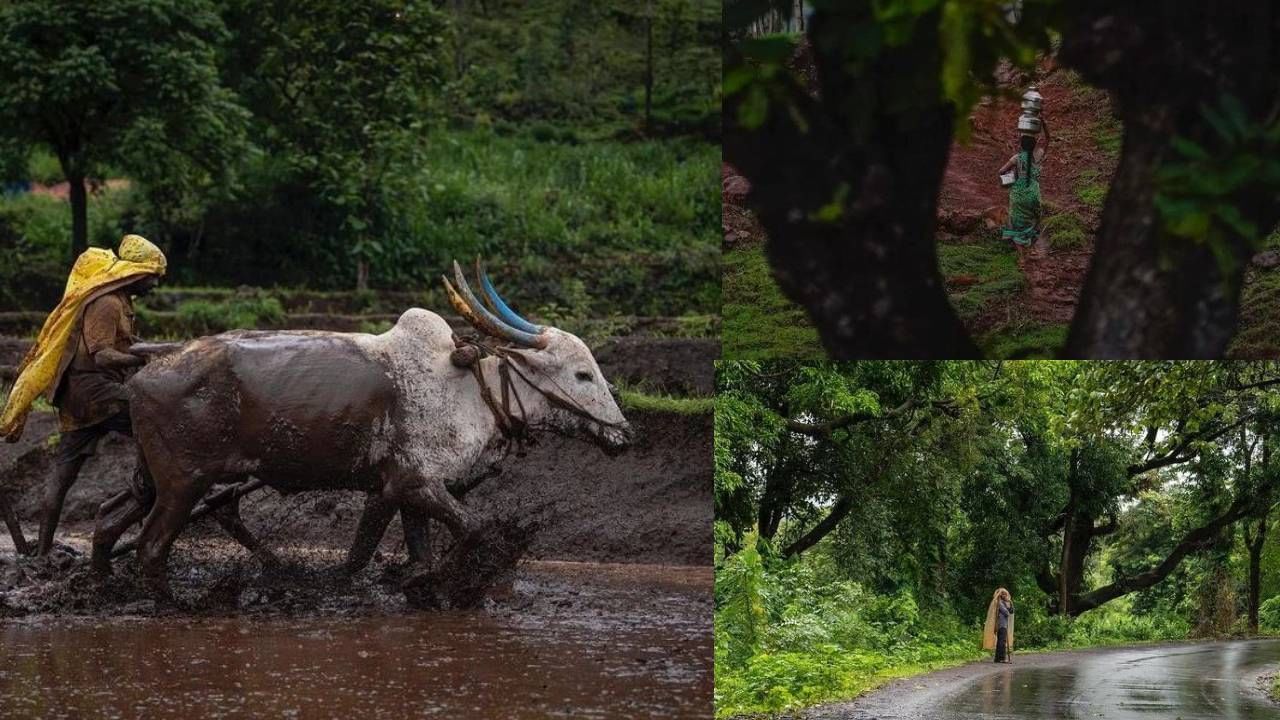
[513, 427]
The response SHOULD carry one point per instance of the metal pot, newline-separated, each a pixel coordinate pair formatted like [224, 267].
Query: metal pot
[1028, 125]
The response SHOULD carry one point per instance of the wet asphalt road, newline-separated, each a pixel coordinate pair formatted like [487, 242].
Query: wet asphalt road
[1201, 681]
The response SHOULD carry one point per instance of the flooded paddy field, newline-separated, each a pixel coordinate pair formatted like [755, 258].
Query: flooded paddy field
[608, 614]
[563, 640]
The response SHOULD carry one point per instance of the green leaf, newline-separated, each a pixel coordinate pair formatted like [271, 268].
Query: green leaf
[1190, 149]
[956, 56]
[1231, 215]
[754, 108]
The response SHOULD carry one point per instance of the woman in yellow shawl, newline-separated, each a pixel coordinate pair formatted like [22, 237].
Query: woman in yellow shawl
[80, 361]
[997, 633]
[96, 272]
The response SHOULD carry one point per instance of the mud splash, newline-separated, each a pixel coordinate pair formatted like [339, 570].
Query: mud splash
[566, 639]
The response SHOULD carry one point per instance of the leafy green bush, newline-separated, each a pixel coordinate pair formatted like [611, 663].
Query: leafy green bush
[44, 168]
[1269, 615]
[789, 633]
[35, 241]
[1114, 624]
[606, 226]
[201, 317]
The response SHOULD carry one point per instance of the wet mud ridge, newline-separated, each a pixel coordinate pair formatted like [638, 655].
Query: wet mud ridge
[563, 501]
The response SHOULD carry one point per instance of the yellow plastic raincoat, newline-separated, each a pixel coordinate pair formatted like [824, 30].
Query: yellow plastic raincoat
[96, 272]
[989, 630]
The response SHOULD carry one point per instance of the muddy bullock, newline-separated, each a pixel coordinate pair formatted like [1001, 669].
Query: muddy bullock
[399, 415]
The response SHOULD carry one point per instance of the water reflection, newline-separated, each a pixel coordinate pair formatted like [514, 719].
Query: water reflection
[1190, 682]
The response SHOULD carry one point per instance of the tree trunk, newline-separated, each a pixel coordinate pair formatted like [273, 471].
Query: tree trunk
[847, 191]
[1147, 293]
[773, 502]
[1255, 544]
[459, 58]
[648, 67]
[79, 215]
[362, 275]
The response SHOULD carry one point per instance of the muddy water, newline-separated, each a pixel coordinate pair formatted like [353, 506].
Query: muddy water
[569, 647]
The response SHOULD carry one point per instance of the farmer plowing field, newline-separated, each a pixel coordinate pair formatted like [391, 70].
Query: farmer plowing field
[80, 362]
[401, 416]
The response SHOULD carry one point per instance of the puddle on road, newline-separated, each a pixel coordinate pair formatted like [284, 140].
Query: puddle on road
[616, 656]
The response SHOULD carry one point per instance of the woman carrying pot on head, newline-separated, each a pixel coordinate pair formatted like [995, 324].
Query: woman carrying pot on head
[1024, 193]
[997, 634]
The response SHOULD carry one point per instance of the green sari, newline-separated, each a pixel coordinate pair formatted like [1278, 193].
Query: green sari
[1024, 203]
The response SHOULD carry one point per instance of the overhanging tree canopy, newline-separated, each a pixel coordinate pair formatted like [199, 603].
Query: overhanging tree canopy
[999, 473]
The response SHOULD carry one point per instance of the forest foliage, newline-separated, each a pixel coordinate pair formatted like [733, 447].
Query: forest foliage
[866, 512]
[330, 145]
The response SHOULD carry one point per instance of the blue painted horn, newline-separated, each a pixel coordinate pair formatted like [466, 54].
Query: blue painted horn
[500, 306]
[481, 318]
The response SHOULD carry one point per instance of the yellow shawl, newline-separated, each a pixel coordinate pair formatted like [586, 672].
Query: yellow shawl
[989, 630]
[96, 272]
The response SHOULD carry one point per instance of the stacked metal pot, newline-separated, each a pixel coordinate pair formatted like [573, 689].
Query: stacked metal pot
[1029, 122]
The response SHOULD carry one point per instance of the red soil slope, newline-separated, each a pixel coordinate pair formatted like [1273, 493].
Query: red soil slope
[971, 189]
[972, 205]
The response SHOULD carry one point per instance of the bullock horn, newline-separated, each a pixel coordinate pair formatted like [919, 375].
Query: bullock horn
[500, 306]
[465, 302]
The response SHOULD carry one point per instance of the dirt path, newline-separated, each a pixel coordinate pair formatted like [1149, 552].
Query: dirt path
[1077, 117]
[1196, 681]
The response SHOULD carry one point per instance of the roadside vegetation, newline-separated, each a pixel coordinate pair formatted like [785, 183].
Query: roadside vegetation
[867, 511]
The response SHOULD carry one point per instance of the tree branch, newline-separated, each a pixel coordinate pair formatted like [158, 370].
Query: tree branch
[839, 510]
[825, 429]
[1192, 541]
[1176, 454]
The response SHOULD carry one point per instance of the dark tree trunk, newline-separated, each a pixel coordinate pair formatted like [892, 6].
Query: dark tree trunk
[1149, 294]
[648, 67]
[848, 194]
[79, 215]
[1077, 541]
[773, 503]
[1255, 542]
[459, 57]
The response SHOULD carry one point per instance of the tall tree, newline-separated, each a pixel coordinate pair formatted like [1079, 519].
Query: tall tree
[345, 88]
[89, 79]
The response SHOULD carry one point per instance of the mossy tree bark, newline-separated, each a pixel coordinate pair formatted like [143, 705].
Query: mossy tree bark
[846, 184]
[1149, 294]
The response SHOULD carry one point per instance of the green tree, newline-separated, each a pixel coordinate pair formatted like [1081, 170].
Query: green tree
[91, 79]
[344, 90]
